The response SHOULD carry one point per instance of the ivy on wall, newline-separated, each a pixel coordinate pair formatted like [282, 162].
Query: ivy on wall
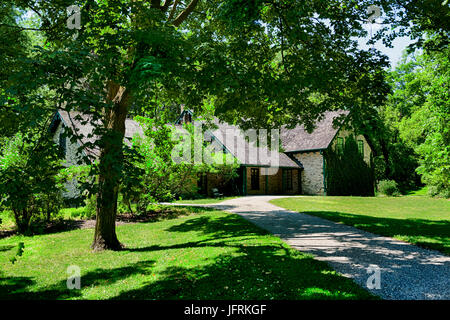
[347, 174]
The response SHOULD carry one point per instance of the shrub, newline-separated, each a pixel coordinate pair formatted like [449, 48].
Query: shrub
[51, 204]
[30, 180]
[90, 210]
[388, 188]
[151, 173]
[445, 194]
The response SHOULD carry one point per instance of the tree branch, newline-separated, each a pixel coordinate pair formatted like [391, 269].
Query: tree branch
[166, 5]
[185, 13]
[172, 11]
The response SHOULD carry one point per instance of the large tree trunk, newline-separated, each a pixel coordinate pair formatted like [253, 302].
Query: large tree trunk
[110, 170]
[111, 156]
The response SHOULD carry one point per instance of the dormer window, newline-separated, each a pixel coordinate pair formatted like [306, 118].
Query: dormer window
[187, 117]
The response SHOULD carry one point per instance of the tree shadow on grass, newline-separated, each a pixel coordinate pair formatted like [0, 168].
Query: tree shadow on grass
[17, 288]
[6, 248]
[257, 269]
[219, 231]
[437, 231]
[162, 213]
[65, 225]
[257, 272]
[14, 288]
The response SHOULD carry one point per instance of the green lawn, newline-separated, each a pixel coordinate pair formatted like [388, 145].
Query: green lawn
[205, 200]
[206, 254]
[420, 220]
[7, 221]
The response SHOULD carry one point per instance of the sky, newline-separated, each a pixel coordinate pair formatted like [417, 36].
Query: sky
[395, 53]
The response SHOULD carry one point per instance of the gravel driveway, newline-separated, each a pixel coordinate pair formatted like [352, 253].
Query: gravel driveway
[405, 271]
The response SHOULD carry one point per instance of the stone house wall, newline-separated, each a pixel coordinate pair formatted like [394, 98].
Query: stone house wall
[312, 175]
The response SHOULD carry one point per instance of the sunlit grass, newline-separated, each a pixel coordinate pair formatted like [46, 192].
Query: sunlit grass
[420, 220]
[205, 255]
[205, 200]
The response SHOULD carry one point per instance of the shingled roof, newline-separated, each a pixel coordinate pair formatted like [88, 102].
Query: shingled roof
[299, 140]
[82, 125]
[248, 153]
[230, 136]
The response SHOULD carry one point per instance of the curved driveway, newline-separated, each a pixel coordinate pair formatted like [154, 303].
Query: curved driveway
[406, 271]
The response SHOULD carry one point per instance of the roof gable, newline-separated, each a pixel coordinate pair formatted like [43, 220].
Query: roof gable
[248, 153]
[298, 139]
[82, 125]
[231, 137]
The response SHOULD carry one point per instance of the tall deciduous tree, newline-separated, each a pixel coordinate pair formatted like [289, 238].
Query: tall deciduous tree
[268, 62]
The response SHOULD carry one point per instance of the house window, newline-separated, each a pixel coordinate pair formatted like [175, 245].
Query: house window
[361, 147]
[202, 184]
[187, 117]
[62, 143]
[254, 178]
[288, 179]
[340, 145]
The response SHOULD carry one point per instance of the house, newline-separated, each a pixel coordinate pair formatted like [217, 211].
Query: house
[82, 126]
[300, 168]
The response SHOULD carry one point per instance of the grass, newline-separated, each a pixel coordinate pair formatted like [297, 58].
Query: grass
[205, 200]
[200, 254]
[419, 220]
[420, 192]
[7, 221]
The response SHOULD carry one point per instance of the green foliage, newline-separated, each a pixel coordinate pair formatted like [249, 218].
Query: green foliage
[83, 178]
[262, 62]
[20, 249]
[90, 210]
[418, 115]
[388, 188]
[30, 179]
[347, 173]
[153, 175]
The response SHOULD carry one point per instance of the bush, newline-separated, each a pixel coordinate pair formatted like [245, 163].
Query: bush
[90, 210]
[152, 174]
[51, 204]
[388, 188]
[445, 194]
[30, 179]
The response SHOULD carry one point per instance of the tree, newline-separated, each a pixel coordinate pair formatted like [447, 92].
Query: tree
[260, 61]
[425, 21]
[416, 118]
[30, 181]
